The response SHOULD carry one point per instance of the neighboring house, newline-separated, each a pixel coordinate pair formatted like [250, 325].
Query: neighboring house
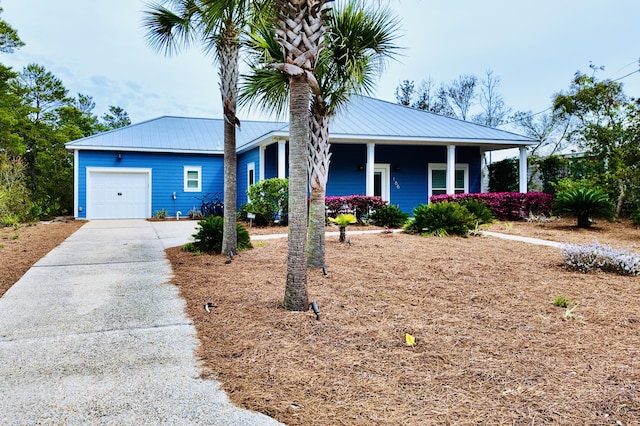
[402, 154]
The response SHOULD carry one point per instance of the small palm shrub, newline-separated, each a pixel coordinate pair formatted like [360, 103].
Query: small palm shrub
[602, 257]
[441, 219]
[389, 216]
[478, 209]
[208, 237]
[343, 220]
[584, 204]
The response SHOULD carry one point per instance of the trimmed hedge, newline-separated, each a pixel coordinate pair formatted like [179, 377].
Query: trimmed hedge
[506, 205]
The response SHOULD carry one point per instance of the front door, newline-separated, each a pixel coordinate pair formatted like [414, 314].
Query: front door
[381, 174]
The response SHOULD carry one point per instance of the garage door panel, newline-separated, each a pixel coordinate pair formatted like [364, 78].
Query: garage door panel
[118, 195]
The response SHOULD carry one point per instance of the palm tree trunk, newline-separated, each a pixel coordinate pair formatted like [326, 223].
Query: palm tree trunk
[228, 53]
[229, 230]
[295, 293]
[319, 159]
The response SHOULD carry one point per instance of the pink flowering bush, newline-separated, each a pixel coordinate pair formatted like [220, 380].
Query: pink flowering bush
[506, 205]
[359, 205]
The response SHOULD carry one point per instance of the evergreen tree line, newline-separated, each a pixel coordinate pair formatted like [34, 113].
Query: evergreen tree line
[37, 117]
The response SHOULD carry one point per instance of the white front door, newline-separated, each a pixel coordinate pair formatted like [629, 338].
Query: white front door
[381, 173]
[118, 194]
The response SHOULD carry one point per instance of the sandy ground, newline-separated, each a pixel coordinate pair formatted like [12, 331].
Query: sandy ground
[490, 346]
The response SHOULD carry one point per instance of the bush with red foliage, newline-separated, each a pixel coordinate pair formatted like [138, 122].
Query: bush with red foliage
[507, 205]
[356, 204]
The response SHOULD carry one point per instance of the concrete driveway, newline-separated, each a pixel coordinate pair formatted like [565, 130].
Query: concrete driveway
[94, 334]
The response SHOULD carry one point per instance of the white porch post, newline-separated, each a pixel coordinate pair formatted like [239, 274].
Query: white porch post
[451, 169]
[261, 162]
[371, 150]
[523, 173]
[282, 152]
[484, 171]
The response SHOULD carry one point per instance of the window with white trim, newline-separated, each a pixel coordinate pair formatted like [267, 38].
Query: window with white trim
[438, 179]
[251, 177]
[192, 178]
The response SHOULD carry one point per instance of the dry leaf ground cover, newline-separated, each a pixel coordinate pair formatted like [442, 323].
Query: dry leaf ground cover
[491, 348]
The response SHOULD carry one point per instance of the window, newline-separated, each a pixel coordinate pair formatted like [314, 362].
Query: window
[438, 179]
[251, 177]
[192, 178]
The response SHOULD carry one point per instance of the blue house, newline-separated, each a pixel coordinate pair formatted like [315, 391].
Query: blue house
[380, 148]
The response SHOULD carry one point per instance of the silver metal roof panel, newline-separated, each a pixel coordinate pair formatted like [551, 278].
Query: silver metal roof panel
[363, 120]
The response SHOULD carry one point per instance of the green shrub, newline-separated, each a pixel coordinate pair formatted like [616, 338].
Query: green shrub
[635, 217]
[552, 169]
[160, 214]
[9, 220]
[389, 216]
[441, 219]
[503, 175]
[208, 237]
[269, 201]
[478, 209]
[584, 204]
[15, 198]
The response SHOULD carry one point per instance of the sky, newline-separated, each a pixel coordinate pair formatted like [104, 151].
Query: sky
[98, 48]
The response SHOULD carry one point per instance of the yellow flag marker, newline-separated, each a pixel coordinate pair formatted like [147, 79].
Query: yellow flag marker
[409, 339]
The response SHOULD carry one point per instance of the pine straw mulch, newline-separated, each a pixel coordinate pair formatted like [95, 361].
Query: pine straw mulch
[491, 348]
[21, 248]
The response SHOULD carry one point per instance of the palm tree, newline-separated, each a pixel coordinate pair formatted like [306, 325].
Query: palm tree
[299, 32]
[217, 24]
[359, 40]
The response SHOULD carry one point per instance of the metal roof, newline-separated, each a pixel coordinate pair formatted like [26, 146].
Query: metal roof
[372, 118]
[175, 134]
[363, 120]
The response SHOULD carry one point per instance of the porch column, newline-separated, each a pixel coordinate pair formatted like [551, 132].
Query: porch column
[282, 155]
[484, 171]
[451, 169]
[261, 151]
[371, 150]
[523, 173]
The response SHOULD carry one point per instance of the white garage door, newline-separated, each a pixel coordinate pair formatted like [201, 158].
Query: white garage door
[118, 194]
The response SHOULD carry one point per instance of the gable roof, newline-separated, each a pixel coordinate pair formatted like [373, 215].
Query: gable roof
[363, 120]
[381, 120]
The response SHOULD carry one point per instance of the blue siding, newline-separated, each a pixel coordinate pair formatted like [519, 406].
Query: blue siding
[244, 159]
[344, 176]
[167, 177]
[471, 156]
[271, 161]
[408, 186]
[409, 165]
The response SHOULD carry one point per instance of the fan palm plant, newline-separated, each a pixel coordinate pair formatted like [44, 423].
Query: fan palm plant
[217, 25]
[584, 204]
[359, 40]
[343, 220]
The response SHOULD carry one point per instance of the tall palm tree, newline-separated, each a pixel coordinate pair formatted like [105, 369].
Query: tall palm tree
[217, 25]
[299, 32]
[359, 40]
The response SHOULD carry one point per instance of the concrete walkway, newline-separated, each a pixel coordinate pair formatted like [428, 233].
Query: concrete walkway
[529, 240]
[94, 334]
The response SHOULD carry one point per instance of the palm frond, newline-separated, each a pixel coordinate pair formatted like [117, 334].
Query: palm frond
[167, 30]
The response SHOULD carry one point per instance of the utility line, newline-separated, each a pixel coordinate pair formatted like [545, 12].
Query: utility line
[549, 108]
